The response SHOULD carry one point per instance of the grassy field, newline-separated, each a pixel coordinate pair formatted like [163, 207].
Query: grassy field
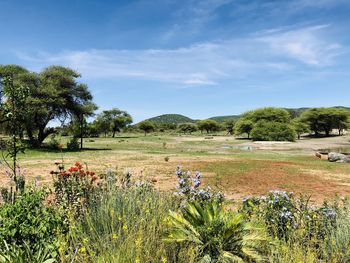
[224, 161]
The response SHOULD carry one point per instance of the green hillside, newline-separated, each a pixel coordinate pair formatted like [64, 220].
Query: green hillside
[221, 119]
[170, 119]
[178, 118]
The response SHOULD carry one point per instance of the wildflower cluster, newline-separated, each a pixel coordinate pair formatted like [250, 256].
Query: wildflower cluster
[189, 187]
[74, 187]
[283, 214]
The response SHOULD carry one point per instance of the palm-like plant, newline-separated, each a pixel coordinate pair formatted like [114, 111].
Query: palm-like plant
[24, 254]
[216, 234]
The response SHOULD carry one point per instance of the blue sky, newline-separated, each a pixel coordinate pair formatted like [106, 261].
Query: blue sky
[197, 58]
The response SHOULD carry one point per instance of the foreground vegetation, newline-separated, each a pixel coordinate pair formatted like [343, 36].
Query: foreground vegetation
[114, 217]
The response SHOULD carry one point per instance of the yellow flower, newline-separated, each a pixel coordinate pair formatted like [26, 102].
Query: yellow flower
[138, 242]
[137, 260]
[114, 236]
[164, 260]
[125, 227]
[82, 249]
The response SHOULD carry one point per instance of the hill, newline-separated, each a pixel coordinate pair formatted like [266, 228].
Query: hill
[221, 119]
[170, 119]
[178, 118]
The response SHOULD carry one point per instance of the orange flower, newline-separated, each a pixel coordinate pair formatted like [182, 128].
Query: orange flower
[62, 174]
[73, 169]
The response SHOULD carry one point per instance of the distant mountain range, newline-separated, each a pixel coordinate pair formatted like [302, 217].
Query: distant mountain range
[178, 118]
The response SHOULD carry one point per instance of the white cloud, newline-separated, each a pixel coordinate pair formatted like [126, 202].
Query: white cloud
[203, 64]
[306, 45]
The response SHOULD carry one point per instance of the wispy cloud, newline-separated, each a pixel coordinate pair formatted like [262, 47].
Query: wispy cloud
[271, 51]
[306, 45]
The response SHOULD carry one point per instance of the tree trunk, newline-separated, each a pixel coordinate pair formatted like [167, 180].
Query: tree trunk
[81, 133]
[113, 136]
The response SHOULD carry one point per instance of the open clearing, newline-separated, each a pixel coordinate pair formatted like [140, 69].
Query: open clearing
[238, 167]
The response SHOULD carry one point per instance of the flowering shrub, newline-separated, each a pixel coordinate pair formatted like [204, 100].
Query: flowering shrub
[283, 214]
[74, 187]
[189, 187]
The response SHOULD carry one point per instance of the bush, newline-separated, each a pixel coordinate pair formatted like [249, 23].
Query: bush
[54, 143]
[74, 188]
[216, 235]
[28, 222]
[272, 131]
[73, 144]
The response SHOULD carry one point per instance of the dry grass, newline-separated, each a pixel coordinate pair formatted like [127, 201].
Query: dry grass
[238, 173]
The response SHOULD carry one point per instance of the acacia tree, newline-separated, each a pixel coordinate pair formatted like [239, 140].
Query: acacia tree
[113, 120]
[81, 113]
[208, 125]
[146, 126]
[244, 126]
[230, 126]
[188, 127]
[54, 94]
[300, 127]
[266, 124]
[326, 119]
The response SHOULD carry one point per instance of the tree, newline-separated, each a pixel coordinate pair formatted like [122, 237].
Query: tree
[187, 127]
[102, 123]
[272, 131]
[113, 120]
[326, 119]
[146, 126]
[208, 125]
[244, 126]
[300, 126]
[81, 113]
[266, 124]
[13, 108]
[268, 114]
[230, 126]
[54, 94]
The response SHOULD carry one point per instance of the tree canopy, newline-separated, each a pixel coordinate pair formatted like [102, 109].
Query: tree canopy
[326, 119]
[54, 94]
[266, 124]
[208, 125]
[113, 121]
[146, 126]
[188, 127]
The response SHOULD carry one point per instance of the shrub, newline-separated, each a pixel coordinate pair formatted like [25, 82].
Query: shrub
[75, 187]
[28, 222]
[215, 234]
[54, 143]
[73, 144]
[272, 131]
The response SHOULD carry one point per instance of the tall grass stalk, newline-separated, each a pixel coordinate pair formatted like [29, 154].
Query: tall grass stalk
[125, 227]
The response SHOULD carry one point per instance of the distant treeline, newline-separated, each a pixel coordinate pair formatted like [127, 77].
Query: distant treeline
[55, 96]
